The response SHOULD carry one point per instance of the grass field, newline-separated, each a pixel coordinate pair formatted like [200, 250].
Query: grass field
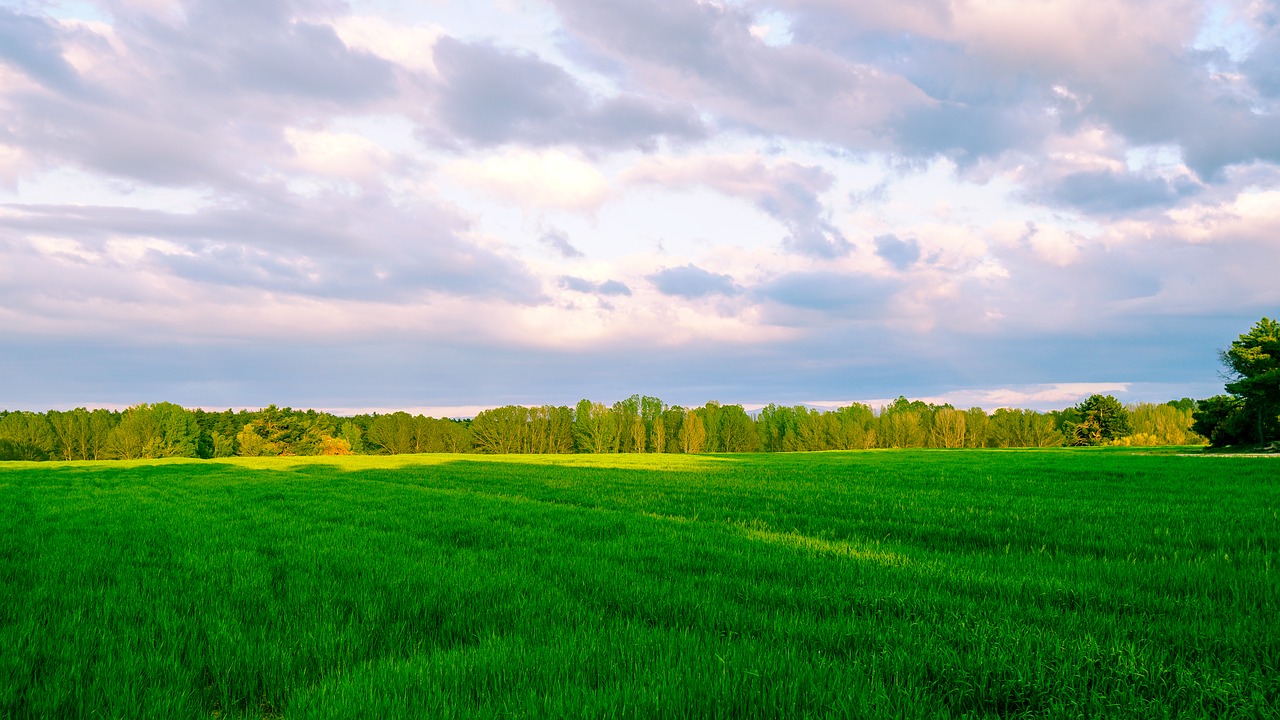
[913, 584]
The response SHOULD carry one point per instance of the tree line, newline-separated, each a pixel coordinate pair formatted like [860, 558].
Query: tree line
[1248, 414]
[638, 424]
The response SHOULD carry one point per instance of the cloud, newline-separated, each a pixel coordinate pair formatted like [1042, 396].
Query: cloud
[850, 295]
[535, 178]
[691, 282]
[610, 288]
[339, 155]
[408, 46]
[901, 254]
[1047, 192]
[558, 241]
[34, 46]
[490, 96]
[333, 245]
[787, 191]
[990, 70]
[706, 53]
[199, 101]
[1108, 193]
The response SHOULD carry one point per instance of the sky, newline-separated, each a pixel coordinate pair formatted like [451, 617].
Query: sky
[441, 206]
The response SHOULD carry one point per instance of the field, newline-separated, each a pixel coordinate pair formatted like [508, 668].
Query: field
[913, 584]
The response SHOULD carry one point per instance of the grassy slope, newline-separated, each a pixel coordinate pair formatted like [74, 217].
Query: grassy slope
[886, 583]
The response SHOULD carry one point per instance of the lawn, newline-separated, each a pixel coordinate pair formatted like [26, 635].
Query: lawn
[1037, 583]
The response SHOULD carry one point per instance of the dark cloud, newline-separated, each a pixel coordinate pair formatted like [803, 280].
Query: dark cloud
[34, 45]
[705, 53]
[796, 204]
[558, 241]
[690, 282]
[968, 133]
[198, 101]
[899, 253]
[491, 96]
[611, 288]
[614, 287]
[309, 60]
[985, 101]
[849, 295]
[1105, 192]
[1262, 67]
[334, 246]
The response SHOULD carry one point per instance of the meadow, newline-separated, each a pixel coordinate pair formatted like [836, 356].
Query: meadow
[913, 584]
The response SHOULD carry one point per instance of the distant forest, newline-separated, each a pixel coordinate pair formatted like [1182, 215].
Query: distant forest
[639, 424]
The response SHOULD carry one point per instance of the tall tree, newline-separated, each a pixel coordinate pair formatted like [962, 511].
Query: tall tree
[1253, 360]
[596, 428]
[693, 432]
[948, 428]
[736, 431]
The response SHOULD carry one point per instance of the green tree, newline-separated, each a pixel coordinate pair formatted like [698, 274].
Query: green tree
[627, 413]
[1102, 419]
[1253, 361]
[1222, 419]
[80, 434]
[501, 430]
[779, 428]
[25, 436]
[735, 430]
[976, 426]
[393, 434]
[905, 424]
[154, 431]
[353, 434]
[596, 428]
[851, 428]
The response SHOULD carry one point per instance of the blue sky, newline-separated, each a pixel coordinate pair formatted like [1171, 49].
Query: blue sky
[444, 205]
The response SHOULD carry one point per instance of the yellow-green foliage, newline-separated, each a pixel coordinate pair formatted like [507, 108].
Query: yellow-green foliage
[1160, 425]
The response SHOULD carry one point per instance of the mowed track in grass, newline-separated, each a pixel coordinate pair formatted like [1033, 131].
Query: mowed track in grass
[1059, 583]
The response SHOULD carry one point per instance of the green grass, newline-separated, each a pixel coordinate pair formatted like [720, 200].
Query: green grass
[913, 584]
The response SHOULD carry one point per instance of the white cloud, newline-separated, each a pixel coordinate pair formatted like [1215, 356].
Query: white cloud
[62, 247]
[338, 155]
[133, 249]
[13, 164]
[1253, 215]
[535, 179]
[407, 45]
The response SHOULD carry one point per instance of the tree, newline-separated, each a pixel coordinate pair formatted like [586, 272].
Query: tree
[1102, 419]
[736, 431]
[852, 428]
[693, 434]
[904, 424]
[1222, 419]
[976, 426]
[393, 434]
[1253, 360]
[948, 428]
[25, 436]
[1167, 424]
[154, 431]
[596, 428]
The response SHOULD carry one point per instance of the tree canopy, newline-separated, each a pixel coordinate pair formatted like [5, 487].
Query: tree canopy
[1251, 413]
[637, 424]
